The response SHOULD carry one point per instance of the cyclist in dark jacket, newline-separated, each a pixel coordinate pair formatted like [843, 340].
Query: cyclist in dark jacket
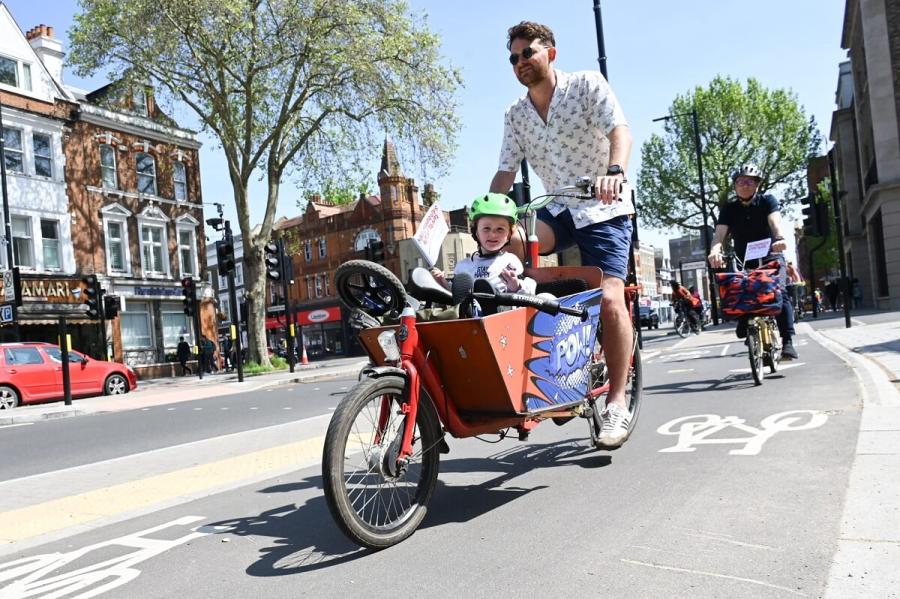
[753, 217]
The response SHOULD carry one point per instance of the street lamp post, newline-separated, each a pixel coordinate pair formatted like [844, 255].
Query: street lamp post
[703, 209]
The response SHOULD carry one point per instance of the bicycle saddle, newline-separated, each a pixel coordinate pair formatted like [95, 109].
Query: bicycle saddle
[422, 286]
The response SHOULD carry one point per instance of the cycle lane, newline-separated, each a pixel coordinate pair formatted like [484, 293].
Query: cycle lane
[538, 515]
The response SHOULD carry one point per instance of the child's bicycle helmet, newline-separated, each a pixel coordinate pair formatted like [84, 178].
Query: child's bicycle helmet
[493, 204]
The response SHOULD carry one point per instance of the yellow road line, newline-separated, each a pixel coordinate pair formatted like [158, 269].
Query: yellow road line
[58, 514]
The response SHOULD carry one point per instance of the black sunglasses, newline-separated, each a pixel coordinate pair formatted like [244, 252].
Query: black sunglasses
[526, 54]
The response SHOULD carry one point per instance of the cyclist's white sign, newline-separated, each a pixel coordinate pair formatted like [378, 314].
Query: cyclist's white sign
[700, 429]
[757, 249]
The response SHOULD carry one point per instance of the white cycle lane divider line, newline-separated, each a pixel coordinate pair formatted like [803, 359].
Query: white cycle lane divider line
[699, 429]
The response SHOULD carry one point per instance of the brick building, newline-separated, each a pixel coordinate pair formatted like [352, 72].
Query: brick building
[99, 183]
[326, 235]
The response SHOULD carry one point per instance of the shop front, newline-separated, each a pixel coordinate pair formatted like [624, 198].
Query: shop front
[44, 300]
[322, 332]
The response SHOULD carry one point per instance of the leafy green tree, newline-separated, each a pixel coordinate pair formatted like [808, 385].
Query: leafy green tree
[337, 192]
[737, 124]
[310, 85]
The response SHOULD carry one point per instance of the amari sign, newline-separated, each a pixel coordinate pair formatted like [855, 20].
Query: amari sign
[54, 291]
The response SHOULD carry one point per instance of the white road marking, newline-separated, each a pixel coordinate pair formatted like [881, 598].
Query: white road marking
[50, 573]
[857, 322]
[725, 349]
[288, 408]
[145, 409]
[712, 574]
[170, 409]
[680, 370]
[696, 430]
[254, 408]
[781, 366]
[17, 424]
[225, 408]
[197, 409]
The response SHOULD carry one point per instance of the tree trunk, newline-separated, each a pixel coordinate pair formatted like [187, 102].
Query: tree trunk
[255, 289]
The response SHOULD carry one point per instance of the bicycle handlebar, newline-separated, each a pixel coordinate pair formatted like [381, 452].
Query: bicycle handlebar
[551, 307]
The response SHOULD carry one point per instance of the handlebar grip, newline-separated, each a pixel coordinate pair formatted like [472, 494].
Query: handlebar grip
[580, 312]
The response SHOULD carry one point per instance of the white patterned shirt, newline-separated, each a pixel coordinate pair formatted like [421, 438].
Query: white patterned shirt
[490, 267]
[572, 143]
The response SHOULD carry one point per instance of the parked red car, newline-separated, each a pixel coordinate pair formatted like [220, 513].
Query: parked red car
[32, 372]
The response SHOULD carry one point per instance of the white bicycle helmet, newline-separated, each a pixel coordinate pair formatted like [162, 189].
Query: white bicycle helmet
[747, 170]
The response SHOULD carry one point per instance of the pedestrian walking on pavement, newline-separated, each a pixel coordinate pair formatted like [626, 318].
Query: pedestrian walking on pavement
[183, 353]
[207, 351]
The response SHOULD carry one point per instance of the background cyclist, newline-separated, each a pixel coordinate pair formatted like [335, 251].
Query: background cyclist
[684, 305]
[570, 125]
[751, 217]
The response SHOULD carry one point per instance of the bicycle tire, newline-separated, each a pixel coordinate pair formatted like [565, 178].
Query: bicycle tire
[775, 349]
[369, 287]
[682, 327]
[634, 386]
[359, 520]
[754, 349]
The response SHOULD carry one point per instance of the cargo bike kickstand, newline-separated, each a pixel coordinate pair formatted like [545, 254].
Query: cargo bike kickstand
[466, 377]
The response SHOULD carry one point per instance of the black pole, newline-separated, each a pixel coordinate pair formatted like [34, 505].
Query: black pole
[835, 205]
[235, 320]
[601, 47]
[101, 301]
[812, 275]
[64, 357]
[711, 281]
[285, 290]
[6, 219]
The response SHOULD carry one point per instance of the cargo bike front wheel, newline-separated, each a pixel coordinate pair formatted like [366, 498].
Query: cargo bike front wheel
[377, 499]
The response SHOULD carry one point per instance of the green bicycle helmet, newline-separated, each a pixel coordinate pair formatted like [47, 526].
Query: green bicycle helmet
[493, 204]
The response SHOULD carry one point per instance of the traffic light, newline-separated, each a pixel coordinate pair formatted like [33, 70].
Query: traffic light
[376, 251]
[189, 290]
[225, 254]
[815, 217]
[273, 260]
[110, 306]
[93, 296]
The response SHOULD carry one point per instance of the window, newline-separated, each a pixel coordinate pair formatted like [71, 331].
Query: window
[223, 281]
[186, 252]
[9, 72]
[115, 244]
[26, 76]
[327, 285]
[43, 161]
[139, 100]
[108, 167]
[56, 355]
[152, 248]
[322, 252]
[225, 307]
[23, 247]
[307, 250]
[146, 173]
[309, 287]
[238, 274]
[135, 325]
[50, 241]
[12, 147]
[318, 285]
[180, 178]
[175, 324]
[363, 239]
[22, 355]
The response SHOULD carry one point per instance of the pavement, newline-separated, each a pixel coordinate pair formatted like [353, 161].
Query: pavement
[156, 392]
[868, 546]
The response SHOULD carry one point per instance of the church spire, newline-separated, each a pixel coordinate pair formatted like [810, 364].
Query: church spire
[390, 166]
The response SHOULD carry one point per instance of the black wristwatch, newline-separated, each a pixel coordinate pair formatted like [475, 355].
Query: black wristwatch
[615, 169]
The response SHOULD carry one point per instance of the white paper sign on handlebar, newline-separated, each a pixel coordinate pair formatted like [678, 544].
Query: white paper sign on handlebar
[757, 249]
[431, 234]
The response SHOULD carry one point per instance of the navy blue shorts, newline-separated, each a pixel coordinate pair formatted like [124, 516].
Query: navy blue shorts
[605, 244]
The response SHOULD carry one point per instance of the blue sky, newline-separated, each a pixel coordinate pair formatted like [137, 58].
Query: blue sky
[656, 49]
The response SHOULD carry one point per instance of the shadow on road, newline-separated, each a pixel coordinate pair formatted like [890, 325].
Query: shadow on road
[732, 382]
[305, 538]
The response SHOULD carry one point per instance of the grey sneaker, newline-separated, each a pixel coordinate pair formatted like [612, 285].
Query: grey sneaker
[614, 422]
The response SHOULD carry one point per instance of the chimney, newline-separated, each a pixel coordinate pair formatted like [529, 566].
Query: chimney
[48, 49]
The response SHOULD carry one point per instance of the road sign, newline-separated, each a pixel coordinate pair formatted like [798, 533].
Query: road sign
[6, 313]
[9, 286]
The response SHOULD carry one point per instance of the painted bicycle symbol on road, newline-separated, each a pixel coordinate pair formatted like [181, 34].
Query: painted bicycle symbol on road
[700, 429]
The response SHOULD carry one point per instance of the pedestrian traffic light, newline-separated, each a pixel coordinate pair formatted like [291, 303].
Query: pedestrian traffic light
[111, 306]
[273, 260]
[225, 255]
[189, 290]
[93, 296]
[376, 249]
